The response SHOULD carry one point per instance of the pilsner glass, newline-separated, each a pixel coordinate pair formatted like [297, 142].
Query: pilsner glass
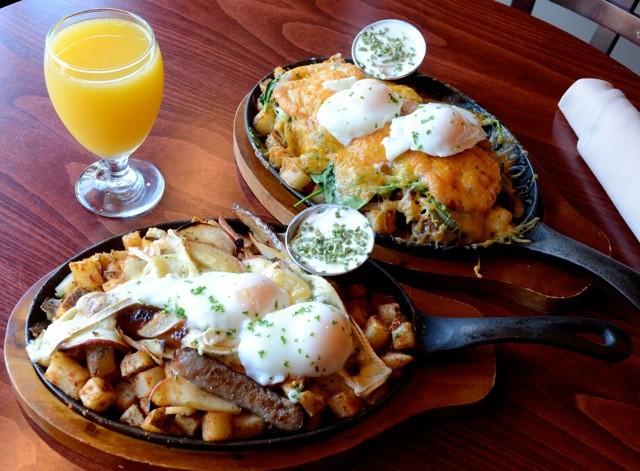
[105, 77]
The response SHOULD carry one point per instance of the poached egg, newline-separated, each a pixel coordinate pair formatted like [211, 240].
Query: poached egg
[307, 339]
[363, 108]
[437, 129]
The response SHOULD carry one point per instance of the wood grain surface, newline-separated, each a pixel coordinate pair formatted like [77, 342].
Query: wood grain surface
[549, 410]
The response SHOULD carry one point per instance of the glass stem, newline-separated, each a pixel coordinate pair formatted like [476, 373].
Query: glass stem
[118, 168]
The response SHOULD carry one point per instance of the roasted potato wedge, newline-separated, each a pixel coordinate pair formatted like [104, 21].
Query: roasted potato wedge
[177, 391]
[210, 234]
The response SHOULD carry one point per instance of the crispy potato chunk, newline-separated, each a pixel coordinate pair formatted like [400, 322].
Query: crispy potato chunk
[403, 336]
[87, 273]
[101, 361]
[132, 416]
[247, 426]
[66, 374]
[146, 380]
[125, 394]
[135, 362]
[390, 314]
[157, 421]
[97, 394]
[344, 404]
[396, 360]
[217, 426]
[313, 403]
[291, 173]
[376, 333]
[132, 239]
[188, 424]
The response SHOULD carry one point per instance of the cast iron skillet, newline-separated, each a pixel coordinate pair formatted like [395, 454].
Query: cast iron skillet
[543, 239]
[435, 334]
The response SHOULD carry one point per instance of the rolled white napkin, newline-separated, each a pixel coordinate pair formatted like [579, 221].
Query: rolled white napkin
[608, 130]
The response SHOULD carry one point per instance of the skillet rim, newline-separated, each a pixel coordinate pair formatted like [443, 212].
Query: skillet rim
[527, 185]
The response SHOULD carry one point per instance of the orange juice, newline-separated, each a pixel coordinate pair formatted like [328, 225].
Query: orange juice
[105, 78]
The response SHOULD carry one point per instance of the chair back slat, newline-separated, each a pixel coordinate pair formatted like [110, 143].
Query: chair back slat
[614, 17]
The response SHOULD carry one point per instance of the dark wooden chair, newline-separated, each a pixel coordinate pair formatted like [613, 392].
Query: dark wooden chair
[615, 19]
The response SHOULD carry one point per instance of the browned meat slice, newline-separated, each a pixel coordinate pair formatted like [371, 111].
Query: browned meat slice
[218, 378]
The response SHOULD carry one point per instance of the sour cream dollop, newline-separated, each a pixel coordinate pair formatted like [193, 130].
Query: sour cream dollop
[437, 129]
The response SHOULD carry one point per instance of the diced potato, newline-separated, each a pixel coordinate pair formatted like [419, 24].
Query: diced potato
[217, 426]
[396, 360]
[66, 374]
[135, 362]
[376, 333]
[344, 404]
[403, 336]
[125, 394]
[389, 314]
[177, 391]
[101, 361]
[210, 234]
[154, 233]
[145, 381]
[188, 424]
[357, 309]
[313, 403]
[87, 273]
[247, 426]
[97, 394]
[132, 239]
[264, 121]
[157, 421]
[291, 173]
[65, 286]
[382, 221]
[132, 416]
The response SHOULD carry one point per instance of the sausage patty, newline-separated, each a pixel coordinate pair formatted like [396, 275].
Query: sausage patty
[216, 377]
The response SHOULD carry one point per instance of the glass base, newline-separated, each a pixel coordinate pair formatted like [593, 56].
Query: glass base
[134, 191]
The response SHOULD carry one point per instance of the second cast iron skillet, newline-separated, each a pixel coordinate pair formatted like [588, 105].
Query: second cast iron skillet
[542, 238]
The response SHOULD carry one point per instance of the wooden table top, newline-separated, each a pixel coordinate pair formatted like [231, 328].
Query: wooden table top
[549, 409]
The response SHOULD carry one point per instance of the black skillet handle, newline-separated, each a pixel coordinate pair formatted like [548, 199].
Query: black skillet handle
[625, 280]
[574, 333]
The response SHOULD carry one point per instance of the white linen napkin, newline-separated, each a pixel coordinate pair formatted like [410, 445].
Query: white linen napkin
[608, 130]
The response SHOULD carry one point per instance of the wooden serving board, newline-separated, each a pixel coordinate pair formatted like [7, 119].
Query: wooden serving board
[532, 281]
[442, 382]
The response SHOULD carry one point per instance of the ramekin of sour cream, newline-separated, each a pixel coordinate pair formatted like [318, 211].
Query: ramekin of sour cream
[329, 239]
[389, 49]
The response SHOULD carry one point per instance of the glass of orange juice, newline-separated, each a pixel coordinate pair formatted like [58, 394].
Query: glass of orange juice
[105, 77]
